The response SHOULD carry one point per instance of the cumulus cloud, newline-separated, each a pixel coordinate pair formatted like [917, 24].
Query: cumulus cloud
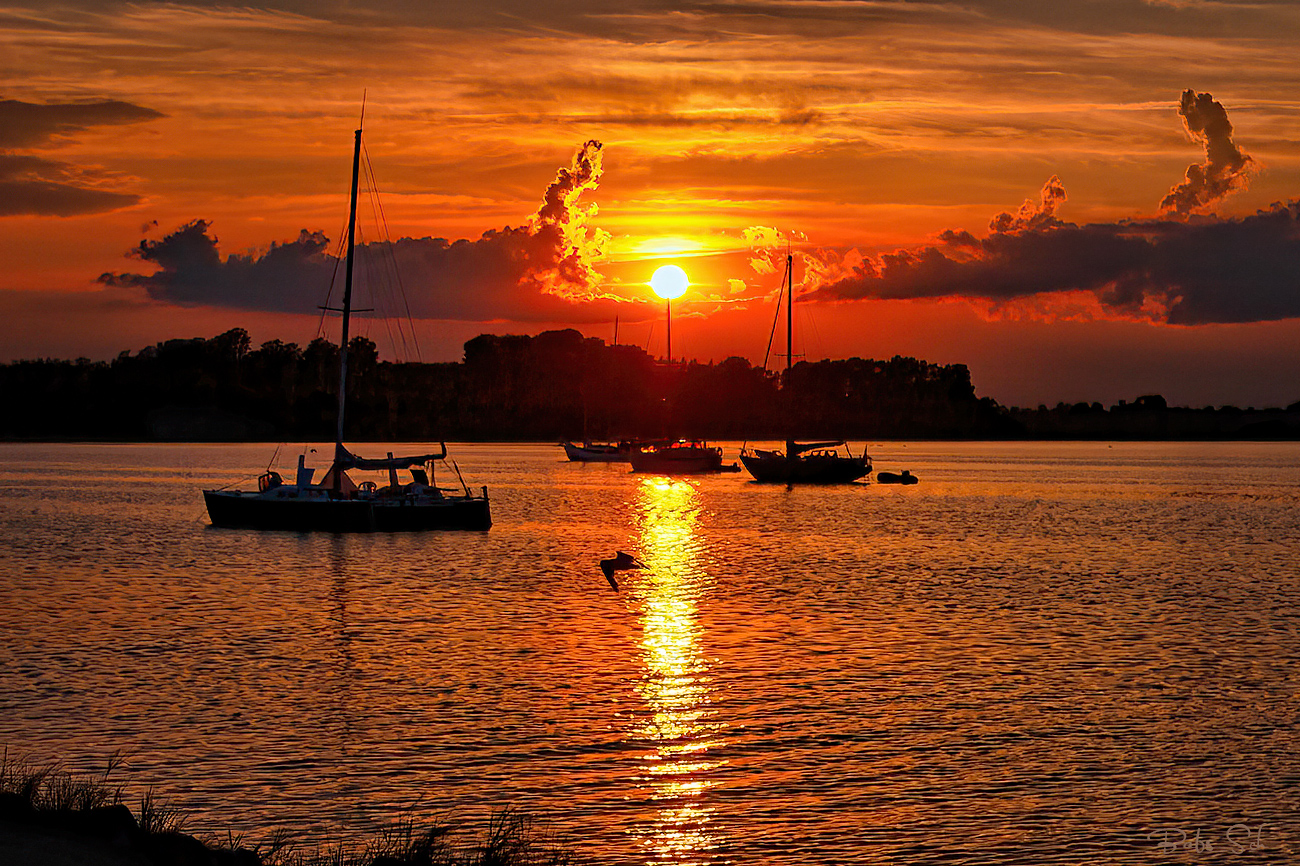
[1198, 270]
[1225, 167]
[1034, 216]
[543, 271]
[816, 266]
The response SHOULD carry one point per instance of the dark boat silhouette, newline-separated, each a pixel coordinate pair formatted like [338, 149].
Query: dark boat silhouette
[599, 452]
[810, 462]
[680, 457]
[338, 503]
[806, 463]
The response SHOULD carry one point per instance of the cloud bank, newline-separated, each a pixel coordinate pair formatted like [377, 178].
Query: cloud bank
[1186, 273]
[1184, 269]
[544, 271]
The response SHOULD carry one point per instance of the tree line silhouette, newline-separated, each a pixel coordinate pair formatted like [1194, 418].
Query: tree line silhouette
[556, 385]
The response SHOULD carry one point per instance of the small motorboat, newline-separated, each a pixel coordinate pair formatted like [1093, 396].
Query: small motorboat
[904, 477]
[599, 452]
[680, 457]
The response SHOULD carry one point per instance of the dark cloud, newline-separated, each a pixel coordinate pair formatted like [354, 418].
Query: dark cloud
[1225, 168]
[28, 124]
[1197, 272]
[31, 185]
[542, 272]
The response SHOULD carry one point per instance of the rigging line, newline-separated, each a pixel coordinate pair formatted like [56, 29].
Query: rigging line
[384, 302]
[377, 273]
[461, 477]
[334, 279]
[375, 284]
[237, 481]
[385, 263]
[370, 282]
[811, 320]
[388, 237]
[393, 273]
[776, 317]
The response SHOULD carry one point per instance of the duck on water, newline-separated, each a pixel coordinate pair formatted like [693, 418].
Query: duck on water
[338, 503]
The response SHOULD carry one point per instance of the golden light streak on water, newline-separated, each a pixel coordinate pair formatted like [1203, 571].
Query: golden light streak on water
[681, 727]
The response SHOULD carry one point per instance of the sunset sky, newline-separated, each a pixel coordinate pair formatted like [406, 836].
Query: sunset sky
[1084, 201]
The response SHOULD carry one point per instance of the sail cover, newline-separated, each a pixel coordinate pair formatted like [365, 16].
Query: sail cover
[345, 459]
[813, 446]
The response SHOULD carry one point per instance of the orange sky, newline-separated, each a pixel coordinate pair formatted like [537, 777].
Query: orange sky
[858, 129]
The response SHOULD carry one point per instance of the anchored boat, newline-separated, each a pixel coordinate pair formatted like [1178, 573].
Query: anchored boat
[599, 452]
[811, 462]
[338, 503]
[680, 457]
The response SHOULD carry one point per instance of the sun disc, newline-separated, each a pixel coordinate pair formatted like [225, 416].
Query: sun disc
[669, 282]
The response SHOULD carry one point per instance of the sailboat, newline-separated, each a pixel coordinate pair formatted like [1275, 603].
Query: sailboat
[808, 462]
[337, 503]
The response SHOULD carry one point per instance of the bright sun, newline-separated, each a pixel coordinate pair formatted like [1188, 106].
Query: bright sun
[669, 282]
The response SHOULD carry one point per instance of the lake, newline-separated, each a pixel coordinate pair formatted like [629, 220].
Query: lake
[1042, 653]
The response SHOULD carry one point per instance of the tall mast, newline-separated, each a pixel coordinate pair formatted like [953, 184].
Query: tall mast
[789, 353]
[789, 315]
[669, 308]
[347, 305]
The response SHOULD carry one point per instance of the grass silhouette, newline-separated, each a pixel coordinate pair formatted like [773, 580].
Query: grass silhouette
[92, 808]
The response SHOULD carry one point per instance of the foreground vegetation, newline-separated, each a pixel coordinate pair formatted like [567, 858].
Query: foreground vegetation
[40, 804]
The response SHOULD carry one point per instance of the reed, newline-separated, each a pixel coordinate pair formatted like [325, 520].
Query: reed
[52, 789]
[510, 839]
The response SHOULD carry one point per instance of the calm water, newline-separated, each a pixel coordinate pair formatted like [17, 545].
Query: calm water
[1043, 653]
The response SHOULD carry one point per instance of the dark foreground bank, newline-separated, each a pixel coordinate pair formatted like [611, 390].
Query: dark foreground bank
[50, 818]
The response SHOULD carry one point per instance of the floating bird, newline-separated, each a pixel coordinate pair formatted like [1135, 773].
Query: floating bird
[622, 562]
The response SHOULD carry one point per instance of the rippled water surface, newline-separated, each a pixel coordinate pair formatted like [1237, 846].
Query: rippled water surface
[1042, 653]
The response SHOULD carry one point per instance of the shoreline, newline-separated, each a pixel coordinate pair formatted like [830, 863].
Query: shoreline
[49, 817]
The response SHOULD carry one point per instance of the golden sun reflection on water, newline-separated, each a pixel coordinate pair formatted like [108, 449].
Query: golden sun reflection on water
[679, 726]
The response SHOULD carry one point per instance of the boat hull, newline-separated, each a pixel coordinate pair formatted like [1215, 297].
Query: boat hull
[806, 469]
[234, 509]
[595, 454]
[679, 461]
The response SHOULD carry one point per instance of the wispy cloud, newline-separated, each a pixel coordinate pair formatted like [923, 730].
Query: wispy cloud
[27, 124]
[33, 185]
